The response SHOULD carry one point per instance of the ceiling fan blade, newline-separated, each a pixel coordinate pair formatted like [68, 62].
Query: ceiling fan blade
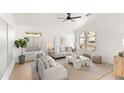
[75, 17]
[61, 18]
[64, 20]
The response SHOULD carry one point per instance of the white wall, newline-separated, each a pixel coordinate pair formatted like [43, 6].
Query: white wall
[110, 32]
[7, 19]
[48, 35]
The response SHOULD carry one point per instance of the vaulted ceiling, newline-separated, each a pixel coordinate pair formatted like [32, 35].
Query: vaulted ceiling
[49, 20]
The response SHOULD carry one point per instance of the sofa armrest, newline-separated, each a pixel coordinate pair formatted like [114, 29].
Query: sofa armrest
[55, 73]
[41, 69]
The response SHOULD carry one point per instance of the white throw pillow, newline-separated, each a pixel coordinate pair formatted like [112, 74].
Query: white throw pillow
[56, 49]
[45, 61]
[40, 54]
[51, 61]
[62, 49]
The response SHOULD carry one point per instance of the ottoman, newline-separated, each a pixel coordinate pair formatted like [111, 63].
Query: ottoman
[97, 59]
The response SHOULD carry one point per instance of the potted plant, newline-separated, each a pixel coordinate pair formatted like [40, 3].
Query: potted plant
[21, 43]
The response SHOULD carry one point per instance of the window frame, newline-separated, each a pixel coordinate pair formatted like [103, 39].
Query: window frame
[86, 41]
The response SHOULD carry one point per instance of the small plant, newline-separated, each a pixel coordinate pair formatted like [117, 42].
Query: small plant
[21, 43]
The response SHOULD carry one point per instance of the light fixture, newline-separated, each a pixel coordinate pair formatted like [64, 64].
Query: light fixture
[32, 34]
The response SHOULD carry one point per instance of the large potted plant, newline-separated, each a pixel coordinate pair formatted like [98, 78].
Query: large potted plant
[21, 43]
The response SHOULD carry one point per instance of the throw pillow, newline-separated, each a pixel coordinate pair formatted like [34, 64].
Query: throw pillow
[42, 54]
[45, 61]
[56, 49]
[62, 49]
[51, 61]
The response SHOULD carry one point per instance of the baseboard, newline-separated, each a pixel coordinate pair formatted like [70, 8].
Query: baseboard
[7, 74]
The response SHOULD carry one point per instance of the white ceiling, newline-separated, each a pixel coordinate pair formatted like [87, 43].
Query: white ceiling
[45, 20]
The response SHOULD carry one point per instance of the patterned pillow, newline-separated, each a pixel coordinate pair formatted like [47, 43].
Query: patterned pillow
[62, 49]
[51, 61]
[42, 54]
[56, 49]
[45, 62]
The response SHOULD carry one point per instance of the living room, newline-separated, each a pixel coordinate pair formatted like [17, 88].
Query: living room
[61, 46]
[46, 31]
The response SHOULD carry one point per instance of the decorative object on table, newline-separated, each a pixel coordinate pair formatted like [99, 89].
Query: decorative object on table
[87, 55]
[97, 59]
[120, 54]
[77, 55]
[21, 43]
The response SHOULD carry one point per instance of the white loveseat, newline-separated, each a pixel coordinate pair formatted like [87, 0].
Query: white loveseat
[57, 72]
[59, 52]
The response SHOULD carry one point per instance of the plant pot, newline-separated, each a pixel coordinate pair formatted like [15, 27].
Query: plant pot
[22, 59]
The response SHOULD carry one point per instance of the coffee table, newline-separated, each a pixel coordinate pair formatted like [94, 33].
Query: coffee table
[78, 63]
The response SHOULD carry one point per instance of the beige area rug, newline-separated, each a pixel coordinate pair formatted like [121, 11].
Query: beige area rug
[94, 72]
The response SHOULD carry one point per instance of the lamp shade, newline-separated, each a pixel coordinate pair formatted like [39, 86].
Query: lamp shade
[49, 45]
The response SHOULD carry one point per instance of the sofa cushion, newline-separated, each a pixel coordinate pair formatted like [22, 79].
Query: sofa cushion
[66, 53]
[57, 55]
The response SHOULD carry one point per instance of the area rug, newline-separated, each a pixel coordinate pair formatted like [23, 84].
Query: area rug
[94, 72]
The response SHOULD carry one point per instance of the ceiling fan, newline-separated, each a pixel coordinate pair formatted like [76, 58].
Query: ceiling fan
[69, 17]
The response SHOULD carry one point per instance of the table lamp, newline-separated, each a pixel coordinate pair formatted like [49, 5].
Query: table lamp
[49, 47]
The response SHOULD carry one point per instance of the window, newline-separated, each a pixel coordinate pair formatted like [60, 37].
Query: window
[88, 40]
[83, 40]
[34, 41]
